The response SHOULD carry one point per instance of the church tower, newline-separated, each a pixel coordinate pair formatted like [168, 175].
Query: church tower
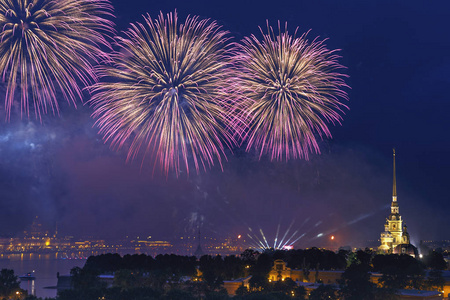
[395, 238]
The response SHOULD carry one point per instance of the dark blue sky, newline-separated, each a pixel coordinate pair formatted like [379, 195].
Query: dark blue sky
[398, 59]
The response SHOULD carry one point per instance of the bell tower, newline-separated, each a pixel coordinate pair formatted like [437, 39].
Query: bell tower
[395, 231]
[394, 219]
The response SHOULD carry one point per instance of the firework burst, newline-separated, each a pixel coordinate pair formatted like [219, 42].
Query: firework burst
[166, 92]
[281, 241]
[288, 90]
[48, 47]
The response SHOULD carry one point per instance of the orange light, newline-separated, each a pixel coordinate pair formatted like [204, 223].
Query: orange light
[332, 237]
[239, 236]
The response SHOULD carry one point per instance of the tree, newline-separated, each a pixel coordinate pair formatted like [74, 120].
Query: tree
[217, 295]
[258, 282]
[305, 269]
[399, 271]
[260, 272]
[212, 269]
[126, 279]
[355, 283]
[364, 257]
[102, 263]
[85, 279]
[241, 290]
[233, 267]
[435, 260]
[249, 256]
[323, 292]
[176, 294]
[435, 280]
[8, 282]
[299, 293]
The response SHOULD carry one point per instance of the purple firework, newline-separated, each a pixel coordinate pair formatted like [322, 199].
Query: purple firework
[47, 49]
[166, 92]
[288, 89]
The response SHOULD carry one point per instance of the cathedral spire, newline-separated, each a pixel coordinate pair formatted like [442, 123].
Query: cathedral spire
[394, 205]
[394, 186]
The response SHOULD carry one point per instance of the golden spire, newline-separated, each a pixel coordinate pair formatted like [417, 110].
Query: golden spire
[394, 187]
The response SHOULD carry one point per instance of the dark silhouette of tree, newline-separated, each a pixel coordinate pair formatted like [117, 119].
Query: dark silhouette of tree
[138, 293]
[158, 279]
[242, 290]
[279, 254]
[435, 280]
[258, 282]
[399, 271]
[212, 269]
[197, 288]
[305, 259]
[85, 294]
[260, 272]
[364, 257]
[8, 283]
[127, 279]
[85, 279]
[299, 293]
[264, 296]
[435, 260]
[329, 260]
[324, 292]
[249, 256]
[140, 262]
[355, 283]
[104, 263]
[217, 295]
[313, 256]
[176, 294]
[233, 267]
[295, 258]
[305, 269]
[286, 286]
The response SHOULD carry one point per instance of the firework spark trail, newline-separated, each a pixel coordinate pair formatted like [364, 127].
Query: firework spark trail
[48, 47]
[167, 92]
[261, 242]
[264, 237]
[276, 236]
[297, 239]
[289, 239]
[288, 89]
[258, 244]
[287, 231]
[349, 223]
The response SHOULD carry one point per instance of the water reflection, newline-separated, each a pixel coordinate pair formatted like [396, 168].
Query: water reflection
[46, 267]
[29, 285]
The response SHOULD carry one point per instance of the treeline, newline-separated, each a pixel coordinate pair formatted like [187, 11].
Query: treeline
[142, 277]
[169, 263]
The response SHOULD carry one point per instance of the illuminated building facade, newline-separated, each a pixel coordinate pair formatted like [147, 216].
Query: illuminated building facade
[395, 238]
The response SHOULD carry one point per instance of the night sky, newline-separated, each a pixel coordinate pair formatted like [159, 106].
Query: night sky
[397, 55]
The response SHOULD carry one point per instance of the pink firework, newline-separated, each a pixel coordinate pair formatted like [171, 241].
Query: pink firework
[288, 89]
[166, 93]
[47, 49]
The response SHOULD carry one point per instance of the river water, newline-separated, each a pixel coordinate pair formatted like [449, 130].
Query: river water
[45, 267]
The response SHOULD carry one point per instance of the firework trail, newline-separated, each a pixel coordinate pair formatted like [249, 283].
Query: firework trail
[288, 89]
[166, 92]
[48, 47]
[288, 239]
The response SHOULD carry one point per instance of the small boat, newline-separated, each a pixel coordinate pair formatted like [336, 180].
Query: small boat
[28, 276]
